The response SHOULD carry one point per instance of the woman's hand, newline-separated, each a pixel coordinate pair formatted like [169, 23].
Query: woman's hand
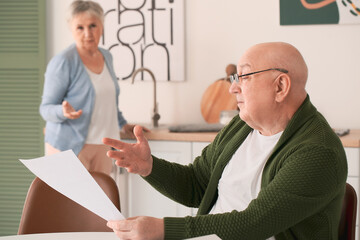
[69, 112]
[138, 228]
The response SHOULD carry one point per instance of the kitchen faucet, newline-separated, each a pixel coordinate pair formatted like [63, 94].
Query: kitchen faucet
[156, 115]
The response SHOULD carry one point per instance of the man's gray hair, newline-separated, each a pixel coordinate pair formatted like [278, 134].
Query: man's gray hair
[93, 8]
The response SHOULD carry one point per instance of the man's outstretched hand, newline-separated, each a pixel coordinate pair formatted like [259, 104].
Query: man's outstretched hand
[135, 157]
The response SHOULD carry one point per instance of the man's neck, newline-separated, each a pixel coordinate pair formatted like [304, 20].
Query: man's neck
[283, 114]
[273, 130]
[277, 122]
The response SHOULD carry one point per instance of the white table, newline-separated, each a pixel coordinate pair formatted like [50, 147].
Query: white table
[64, 236]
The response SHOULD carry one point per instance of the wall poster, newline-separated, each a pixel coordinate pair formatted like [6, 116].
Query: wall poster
[145, 33]
[296, 12]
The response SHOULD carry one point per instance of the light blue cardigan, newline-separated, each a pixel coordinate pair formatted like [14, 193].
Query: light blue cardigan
[66, 79]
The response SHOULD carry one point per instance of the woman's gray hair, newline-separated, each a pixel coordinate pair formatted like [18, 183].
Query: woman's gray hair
[93, 8]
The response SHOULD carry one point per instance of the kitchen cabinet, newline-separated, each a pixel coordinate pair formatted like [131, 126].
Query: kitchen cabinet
[143, 199]
[197, 147]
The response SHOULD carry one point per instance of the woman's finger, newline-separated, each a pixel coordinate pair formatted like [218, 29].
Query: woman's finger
[75, 115]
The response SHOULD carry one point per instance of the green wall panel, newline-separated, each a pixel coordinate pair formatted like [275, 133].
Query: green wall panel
[22, 66]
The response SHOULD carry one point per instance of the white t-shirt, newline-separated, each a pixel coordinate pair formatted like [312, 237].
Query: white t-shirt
[240, 181]
[104, 121]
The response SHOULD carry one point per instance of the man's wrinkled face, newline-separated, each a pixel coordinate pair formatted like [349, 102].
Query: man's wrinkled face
[255, 94]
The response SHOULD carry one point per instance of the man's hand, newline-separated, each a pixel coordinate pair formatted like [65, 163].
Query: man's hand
[129, 129]
[135, 157]
[138, 228]
[69, 111]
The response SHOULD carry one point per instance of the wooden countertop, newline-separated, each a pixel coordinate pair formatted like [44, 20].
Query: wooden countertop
[162, 134]
[352, 139]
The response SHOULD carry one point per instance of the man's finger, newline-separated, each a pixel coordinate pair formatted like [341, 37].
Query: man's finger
[125, 234]
[139, 134]
[114, 143]
[118, 155]
[123, 164]
[123, 225]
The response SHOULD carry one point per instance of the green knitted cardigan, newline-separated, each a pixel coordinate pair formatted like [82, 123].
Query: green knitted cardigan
[302, 187]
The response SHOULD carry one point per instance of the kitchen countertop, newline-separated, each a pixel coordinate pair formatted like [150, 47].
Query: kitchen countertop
[162, 134]
[352, 139]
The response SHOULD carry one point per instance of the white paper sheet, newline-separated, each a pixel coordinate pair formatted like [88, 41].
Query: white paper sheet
[65, 173]
[207, 237]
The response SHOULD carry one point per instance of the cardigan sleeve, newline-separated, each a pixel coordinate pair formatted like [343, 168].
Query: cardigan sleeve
[121, 120]
[56, 83]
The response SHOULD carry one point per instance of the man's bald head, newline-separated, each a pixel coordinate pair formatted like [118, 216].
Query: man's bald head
[281, 55]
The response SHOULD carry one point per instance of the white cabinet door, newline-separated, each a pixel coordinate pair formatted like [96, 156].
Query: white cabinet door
[143, 199]
[197, 147]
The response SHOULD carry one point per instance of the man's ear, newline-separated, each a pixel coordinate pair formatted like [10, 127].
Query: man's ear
[283, 85]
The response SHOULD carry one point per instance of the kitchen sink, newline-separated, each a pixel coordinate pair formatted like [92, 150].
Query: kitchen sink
[201, 127]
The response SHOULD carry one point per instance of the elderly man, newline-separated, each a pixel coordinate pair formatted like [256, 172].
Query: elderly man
[276, 171]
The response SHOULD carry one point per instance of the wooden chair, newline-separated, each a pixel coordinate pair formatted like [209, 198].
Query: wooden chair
[348, 215]
[46, 210]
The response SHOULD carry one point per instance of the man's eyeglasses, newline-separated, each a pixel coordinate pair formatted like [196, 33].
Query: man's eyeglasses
[235, 77]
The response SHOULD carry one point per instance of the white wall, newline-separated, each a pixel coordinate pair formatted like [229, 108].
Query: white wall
[217, 33]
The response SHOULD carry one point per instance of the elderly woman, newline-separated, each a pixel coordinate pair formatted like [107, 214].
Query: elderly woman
[80, 98]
